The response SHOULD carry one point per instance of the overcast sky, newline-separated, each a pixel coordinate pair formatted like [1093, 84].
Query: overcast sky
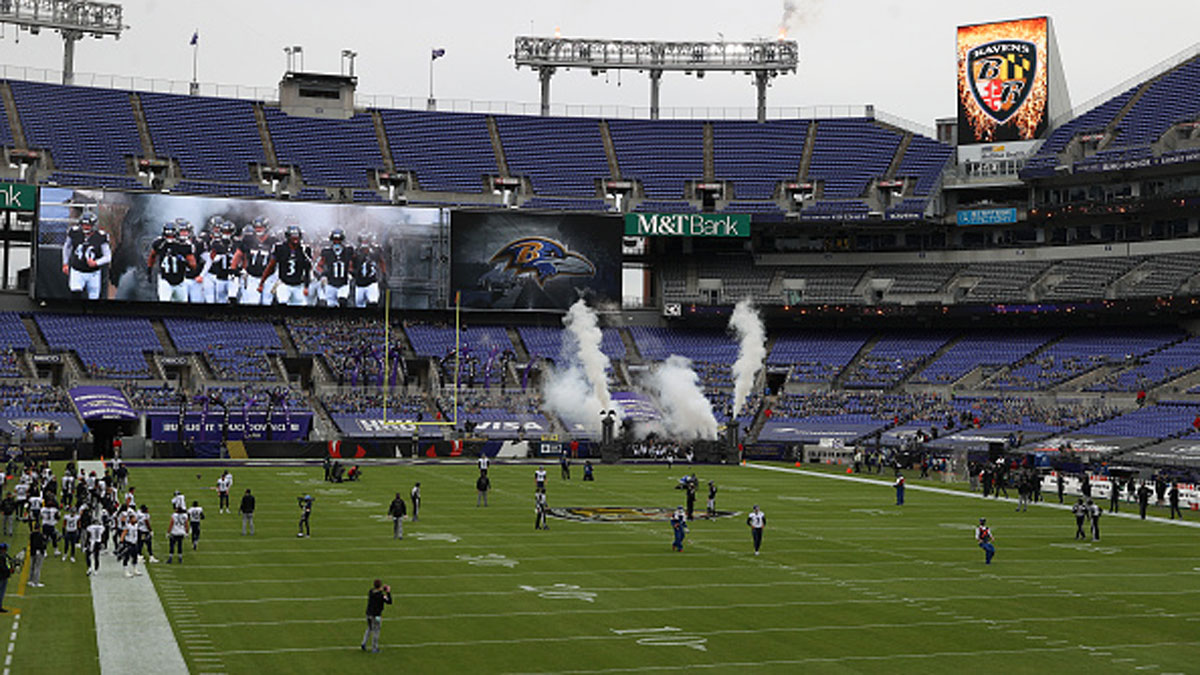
[898, 56]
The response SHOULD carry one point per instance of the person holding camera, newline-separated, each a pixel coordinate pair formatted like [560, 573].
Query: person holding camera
[377, 597]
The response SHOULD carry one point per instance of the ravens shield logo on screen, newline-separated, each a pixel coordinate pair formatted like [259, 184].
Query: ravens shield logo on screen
[1001, 76]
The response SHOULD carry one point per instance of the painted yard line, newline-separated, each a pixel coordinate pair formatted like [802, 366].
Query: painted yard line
[958, 493]
[618, 637]
[738, 558]
[853, 658]
[659, 587]
[804, 603]
[114, 600]
[569, 612]
[466, 575]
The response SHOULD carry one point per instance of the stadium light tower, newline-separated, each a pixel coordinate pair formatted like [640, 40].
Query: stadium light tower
[763, 59]
[73, 19]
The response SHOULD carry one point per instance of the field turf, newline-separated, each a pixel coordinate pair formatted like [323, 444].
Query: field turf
[847, 581]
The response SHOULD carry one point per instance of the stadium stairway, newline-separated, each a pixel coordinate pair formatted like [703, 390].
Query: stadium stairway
[839, 380]
[1031, 356]
[40, 346]
[519, 345]
[905, 382]
[14, 118]
[632, 353]
[164, 337]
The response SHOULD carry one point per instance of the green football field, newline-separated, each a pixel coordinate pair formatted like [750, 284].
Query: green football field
[847, 581]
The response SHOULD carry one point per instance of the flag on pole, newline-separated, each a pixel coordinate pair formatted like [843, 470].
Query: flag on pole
[195, 38]
[437, 54]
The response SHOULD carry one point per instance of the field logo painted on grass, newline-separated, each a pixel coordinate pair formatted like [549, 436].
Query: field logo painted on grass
[290, 473]
[625, 514]
[791, 498]
[359, 504]
[435, 536]
[957, 526]
[562, 592]
[334, 491]
[875, 512]
[1090, 548]
[667, 636]
[489, 560]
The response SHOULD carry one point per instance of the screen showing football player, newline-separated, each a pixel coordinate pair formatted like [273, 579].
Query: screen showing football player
[170, 258]
[85, 253]
[368, 267]
[294, 266]
[334, 267]
[219, 283]
[192, 279]
[253, 253]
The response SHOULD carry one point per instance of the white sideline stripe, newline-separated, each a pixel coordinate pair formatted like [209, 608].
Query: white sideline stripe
[960, 493]
[115, 602]
[852, 658]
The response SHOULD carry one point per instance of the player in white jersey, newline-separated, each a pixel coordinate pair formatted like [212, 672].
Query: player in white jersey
[757, 522]
[35, 509]
[539, 480]
[175, 533]
[95, 534]
[145, 534]
[195, 515]
[483, 462]
[129, 542]
[178, 502]
[70, 534]
[224, 485]
[49, 523]
[21, 495]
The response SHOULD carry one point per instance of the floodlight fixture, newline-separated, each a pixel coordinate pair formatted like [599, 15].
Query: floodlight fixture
[761, 59]
[73, 19]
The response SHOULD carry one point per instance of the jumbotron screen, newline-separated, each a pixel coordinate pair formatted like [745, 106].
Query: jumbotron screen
[97, 245]
[514, 260]
[1003, 81]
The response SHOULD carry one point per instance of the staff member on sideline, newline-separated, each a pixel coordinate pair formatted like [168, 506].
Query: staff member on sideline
[396, 511]
[415, 495]
[756, 520]
[377, 597]
[247, 511]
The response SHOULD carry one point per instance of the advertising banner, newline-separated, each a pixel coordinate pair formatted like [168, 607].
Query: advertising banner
[687, 225]
[1003, 80]
[253, 426]
[986, 216]
[514, 260]
[105, 403]
[18, 197]
[150, 247]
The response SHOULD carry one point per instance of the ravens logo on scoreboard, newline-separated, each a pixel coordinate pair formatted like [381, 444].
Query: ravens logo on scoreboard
[1001, 76]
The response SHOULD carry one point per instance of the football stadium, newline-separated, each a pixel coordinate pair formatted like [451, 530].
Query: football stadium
[789, 390]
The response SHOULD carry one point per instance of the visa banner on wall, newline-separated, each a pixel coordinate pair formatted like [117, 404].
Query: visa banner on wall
[687, 225]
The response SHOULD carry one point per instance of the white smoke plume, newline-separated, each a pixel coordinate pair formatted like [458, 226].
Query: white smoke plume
[577, 389]
[752, 351]
[797, 14]
[686, 413]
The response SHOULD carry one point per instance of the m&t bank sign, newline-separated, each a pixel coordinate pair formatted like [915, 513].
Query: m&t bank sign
[687, 225]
